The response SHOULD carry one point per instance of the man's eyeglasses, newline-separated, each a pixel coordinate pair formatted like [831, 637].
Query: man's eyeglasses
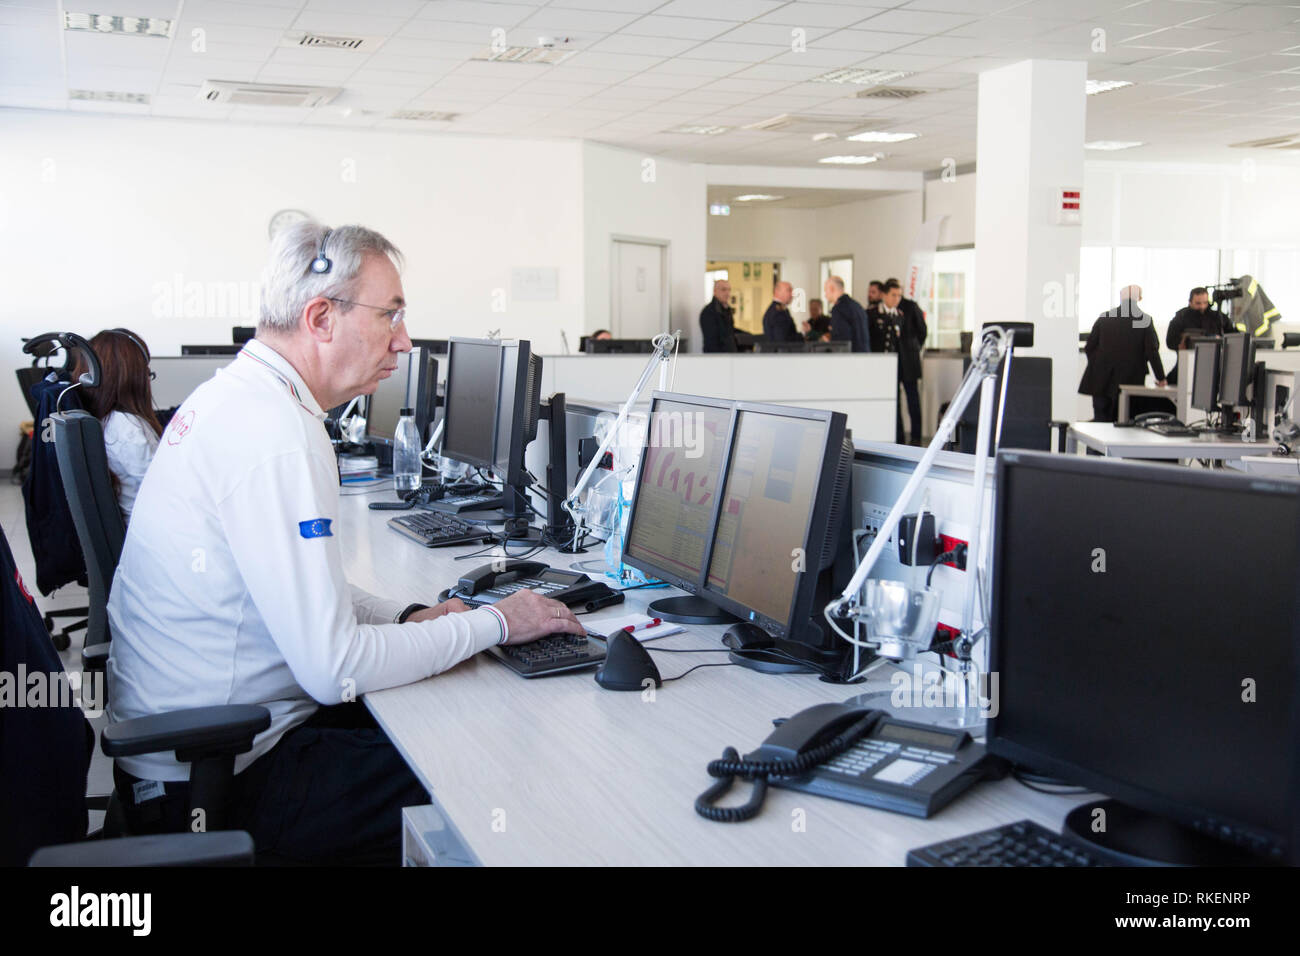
[395, 317]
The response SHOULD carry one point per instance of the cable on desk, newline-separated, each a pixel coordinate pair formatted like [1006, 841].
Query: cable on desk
[697, 667]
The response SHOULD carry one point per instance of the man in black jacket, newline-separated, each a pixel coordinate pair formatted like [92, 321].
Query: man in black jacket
[777, 324]
[717, 320]
[848, 319]
[1197, 318]
[902, 323]
[1121, 345]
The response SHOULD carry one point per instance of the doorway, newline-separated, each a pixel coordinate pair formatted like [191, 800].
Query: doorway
[638, 297]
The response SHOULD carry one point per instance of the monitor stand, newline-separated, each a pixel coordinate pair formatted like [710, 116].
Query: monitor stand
[1127, 836]
[689, 610]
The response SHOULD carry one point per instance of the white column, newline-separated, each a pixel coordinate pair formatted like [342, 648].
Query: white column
[1030, 146]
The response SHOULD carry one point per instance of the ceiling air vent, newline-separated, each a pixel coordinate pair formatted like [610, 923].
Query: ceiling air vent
[266, 94]
[808, 123]
[1291, 141]
[424, 116]
[888, 93]
[109, 96]
[325, 41]
[545, 55]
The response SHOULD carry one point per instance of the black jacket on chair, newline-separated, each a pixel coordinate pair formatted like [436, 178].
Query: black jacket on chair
[48, 747]
[778, 326]
[849, 323]
[1120, 347]
[53, 536]
[718, 327]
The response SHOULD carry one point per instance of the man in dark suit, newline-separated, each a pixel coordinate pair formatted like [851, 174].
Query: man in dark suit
[848, 319]
[777, 324]
[1121, 345]
[902, 323]
[1198, 318]
[717, 320]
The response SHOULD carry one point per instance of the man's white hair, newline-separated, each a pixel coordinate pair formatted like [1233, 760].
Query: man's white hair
[288, 283]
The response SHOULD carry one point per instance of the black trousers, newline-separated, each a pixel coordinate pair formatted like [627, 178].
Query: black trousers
[1105, 408]
[913, 395]
[330, 791]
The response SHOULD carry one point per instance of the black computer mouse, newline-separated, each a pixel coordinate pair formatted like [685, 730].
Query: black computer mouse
[627, 664]
[745, 635]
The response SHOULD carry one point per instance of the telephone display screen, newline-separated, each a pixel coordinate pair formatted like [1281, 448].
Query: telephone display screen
[930, 739]
[770, 483]
[677, 487]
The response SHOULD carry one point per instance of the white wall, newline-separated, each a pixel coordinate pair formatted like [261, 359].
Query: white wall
[878, 233]
[161, 226]
[955, 199]
[630, 195]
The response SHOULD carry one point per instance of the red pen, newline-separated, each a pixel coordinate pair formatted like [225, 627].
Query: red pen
[654, 622]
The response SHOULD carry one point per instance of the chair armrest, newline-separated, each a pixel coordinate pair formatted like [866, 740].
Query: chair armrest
[219, 848]
[95, 657]
[201, 730]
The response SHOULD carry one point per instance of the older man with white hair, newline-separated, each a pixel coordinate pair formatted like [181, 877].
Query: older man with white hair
[230, 588]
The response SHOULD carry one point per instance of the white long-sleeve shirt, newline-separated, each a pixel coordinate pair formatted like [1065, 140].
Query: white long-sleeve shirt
[230, 588]
[129, 444]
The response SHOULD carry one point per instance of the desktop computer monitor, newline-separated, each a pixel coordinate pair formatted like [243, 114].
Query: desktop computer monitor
[432, 346]
[210, 349]
[675, 498]
[407, 387]
[1205, 374]
[780, 546]
[1118, 675]
[240, 334]
[518, 409]
[619, 346]
[1237, 363]
[470, 406]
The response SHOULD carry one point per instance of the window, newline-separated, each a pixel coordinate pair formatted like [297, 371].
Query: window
[841, 266]
[952, 294]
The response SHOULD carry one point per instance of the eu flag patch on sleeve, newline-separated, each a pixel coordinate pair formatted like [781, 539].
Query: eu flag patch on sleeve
[316, 528]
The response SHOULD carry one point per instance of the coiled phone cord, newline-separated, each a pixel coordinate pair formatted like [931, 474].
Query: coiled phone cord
[731, 766]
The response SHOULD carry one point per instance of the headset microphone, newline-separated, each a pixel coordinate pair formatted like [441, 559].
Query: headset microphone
[321, 264]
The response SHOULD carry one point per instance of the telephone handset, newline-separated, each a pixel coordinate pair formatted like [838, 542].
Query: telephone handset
[488, 575]
[1155, 418]
[852, 753]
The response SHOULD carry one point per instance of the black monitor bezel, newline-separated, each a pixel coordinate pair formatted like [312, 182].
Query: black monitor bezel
[696, 586]
[815, 530]
[1081, 468]
[1217, 343]
[1247, 361]
[461, 455]
[511, 465]
[405, 366]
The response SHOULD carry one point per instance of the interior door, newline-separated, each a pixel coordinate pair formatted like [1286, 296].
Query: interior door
[638, 293]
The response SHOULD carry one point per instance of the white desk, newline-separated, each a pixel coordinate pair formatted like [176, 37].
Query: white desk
[559, 771]
[1107, 439]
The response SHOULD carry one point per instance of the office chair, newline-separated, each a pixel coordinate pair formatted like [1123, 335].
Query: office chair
[1027, 422]
[209, 738]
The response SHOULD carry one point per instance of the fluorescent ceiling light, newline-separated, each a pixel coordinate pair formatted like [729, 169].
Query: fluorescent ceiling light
[699, 130]
[1105, 86]
[109, 96]
[881, 136]
[757, 197]
[852, 160]
[719, 209]
[1111, 144]
[111, 25]
[861, 77]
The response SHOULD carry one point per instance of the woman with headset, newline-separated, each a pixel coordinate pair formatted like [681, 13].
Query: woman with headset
[123, 402]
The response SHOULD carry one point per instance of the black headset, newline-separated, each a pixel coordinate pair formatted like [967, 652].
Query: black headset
[141, 346]
[322, 264]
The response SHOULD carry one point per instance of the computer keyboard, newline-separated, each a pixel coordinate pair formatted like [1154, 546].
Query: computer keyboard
[455, 504]
[552, 654]
[1017, 844]
[433, 529]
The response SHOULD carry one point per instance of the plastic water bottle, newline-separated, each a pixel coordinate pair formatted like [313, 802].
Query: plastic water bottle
[406, 454]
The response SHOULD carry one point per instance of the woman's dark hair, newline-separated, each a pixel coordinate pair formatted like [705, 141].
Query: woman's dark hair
[124, 380]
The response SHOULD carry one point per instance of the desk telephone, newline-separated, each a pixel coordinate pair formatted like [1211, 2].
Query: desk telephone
[492, 582]
[853, 753]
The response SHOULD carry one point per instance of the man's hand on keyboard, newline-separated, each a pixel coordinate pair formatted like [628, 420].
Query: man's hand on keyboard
[454, 606]
[530, 616]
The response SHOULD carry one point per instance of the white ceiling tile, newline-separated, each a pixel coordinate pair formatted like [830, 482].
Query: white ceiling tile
[863, 42]
[620, 62]
[730, 52]
[1165, 13]
[920, 22]
[588, 23]
[489, 14]
[204, 12]
[477, 35]
[773, 35]
[736, 11]
[683, 28]
[639, 45]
